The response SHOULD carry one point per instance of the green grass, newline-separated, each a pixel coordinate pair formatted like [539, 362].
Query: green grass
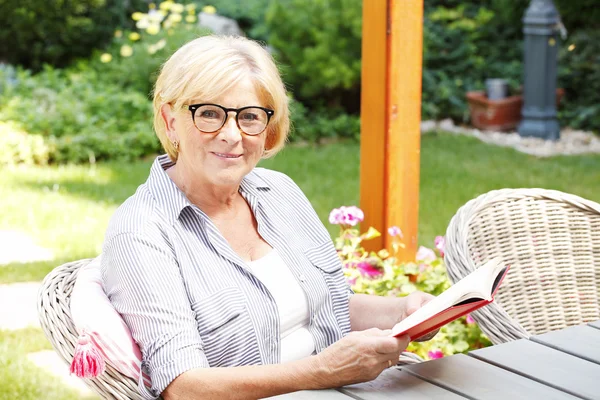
[67, 210]
[20, 378]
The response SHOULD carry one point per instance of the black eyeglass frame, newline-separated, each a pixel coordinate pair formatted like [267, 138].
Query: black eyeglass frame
[194, 107]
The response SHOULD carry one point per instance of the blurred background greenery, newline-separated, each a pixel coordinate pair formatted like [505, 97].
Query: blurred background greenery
[76, 77]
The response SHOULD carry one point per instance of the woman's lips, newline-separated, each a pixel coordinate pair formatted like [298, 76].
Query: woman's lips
[227, 155]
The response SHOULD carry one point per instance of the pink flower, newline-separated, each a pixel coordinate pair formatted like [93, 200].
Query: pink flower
[440, 244]
[351, 281]
[470, 319]
[369, 270]
[433, 354]
[395, 231]
[336, 216]
[425, 254]
[346, 216]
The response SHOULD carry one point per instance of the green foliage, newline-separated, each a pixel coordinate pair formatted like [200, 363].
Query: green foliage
[319, 123]
[317, 43]
[380, 273]
[249, 14]
[79, 116]
[35, 32]
[136, 56]
[579, 73]
[17, 146]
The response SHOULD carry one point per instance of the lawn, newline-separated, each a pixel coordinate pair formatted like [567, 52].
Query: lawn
[67, 209]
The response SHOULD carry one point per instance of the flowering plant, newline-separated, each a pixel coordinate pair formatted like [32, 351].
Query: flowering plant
[381, 273]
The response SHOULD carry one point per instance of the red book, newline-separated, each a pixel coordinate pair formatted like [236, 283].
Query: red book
[470, 293]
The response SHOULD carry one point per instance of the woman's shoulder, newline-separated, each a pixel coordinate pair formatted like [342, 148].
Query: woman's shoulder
[136, 215]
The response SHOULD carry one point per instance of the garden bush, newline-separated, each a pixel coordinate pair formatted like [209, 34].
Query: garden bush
[381, 273]
[19, 147]
[35, 32]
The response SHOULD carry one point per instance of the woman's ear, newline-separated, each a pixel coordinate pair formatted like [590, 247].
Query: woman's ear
[168, 116]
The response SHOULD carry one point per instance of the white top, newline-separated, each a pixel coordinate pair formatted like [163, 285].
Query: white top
[296, 340]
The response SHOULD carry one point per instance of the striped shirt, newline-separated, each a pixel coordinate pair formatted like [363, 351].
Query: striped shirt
[191, 301]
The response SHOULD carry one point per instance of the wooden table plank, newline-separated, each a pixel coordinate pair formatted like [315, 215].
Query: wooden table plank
[580, 341]
[329, 394]
[543, 364]
[396, 384]
[476, 379]
[595, 324]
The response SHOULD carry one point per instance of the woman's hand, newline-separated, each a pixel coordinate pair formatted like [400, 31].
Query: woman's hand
[412, 303]
[359, 357]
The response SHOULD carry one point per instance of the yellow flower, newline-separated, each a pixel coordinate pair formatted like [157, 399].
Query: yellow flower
[190, 19]
[151, 49]
[106, 58]
[151, 6]
[118, 33]
[572, 47]
[126, 50]
[177, 8]
[190, 8]
[153, 29]
[165, 5]
[142, 24]
[383, 253]
[134, 36]
[175, 17]
[209, 10]
[136, 16]
[160, 44]
[167, 24]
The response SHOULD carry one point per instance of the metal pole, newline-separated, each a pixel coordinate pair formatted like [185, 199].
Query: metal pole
[540, 53]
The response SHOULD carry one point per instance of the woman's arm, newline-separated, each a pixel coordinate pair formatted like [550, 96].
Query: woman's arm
[249, 382]
[371, 311]
[358, 357]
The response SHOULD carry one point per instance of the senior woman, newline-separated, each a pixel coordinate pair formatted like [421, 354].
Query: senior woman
[216, 263]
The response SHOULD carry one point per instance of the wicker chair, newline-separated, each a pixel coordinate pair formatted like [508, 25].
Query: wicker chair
[550, 239]
[55, 317]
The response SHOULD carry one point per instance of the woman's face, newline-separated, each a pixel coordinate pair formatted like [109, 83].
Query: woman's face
[224, 157]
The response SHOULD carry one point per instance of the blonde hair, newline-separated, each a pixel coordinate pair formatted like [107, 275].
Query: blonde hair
[207, 67]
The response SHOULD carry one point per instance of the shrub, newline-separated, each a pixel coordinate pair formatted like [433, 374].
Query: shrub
[133, 59]
[77, 110]
[579, 74]
[318, 45]
[35, 32]
[316, 124]
[17, 146]
[381, 273]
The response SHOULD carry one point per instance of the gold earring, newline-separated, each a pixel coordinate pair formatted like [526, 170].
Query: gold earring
[176, 145]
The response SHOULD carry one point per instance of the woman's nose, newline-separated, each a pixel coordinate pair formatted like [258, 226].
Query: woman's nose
[230, 131]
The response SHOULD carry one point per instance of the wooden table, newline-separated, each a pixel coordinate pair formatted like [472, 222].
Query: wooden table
[562, 364]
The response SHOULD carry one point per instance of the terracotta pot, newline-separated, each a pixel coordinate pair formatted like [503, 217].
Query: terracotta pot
[498, 115]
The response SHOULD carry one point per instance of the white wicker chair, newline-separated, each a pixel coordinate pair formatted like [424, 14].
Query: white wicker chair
[550, 239]
[55, 317]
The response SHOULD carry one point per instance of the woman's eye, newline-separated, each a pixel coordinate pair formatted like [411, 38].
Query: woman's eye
[249, 117]
[209, 114]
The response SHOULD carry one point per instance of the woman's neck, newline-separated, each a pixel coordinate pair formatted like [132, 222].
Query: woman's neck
[212, 199]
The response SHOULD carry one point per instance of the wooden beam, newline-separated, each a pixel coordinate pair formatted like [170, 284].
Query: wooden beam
[373, 116]
[390, 187]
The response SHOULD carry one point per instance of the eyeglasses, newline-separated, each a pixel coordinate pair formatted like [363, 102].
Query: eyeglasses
[251, 120]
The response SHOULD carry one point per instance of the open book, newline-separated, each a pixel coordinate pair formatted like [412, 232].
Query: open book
[470, 293]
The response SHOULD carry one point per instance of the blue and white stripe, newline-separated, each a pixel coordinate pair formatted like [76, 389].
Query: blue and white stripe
[191, 301]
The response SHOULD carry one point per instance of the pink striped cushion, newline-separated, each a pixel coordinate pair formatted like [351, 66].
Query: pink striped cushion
[93, 313]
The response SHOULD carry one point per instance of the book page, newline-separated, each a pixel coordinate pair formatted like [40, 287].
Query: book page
[476, 285]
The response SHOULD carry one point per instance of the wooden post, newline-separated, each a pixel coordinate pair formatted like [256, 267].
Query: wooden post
[392, 54]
